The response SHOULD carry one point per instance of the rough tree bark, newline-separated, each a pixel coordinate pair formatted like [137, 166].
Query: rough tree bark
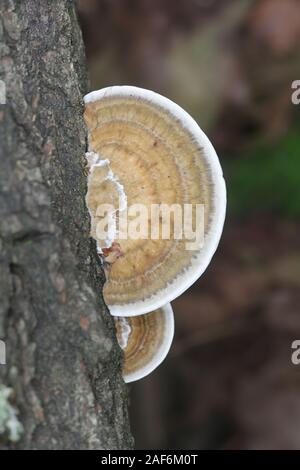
[63, 361]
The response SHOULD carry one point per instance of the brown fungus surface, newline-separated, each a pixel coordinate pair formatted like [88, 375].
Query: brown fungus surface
[155, 154]
[145, 340]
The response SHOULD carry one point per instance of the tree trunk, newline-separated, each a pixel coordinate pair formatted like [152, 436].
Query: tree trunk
[63, 361]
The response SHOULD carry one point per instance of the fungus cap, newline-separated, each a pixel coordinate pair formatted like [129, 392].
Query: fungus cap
[157, 154]
[145, 340]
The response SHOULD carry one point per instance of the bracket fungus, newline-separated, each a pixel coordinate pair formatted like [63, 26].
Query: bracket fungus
[145, 340]
[144, 150]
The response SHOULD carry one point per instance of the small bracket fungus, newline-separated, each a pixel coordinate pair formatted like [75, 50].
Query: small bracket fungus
[145, 340]
[156, 178]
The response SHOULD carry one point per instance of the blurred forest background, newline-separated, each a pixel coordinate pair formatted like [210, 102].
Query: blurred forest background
[228, 381]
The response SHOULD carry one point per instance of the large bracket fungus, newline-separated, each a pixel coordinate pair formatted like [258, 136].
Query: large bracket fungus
[147, 154]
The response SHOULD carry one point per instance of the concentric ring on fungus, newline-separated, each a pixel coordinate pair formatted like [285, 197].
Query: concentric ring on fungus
[145, 340]
[156, 154]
